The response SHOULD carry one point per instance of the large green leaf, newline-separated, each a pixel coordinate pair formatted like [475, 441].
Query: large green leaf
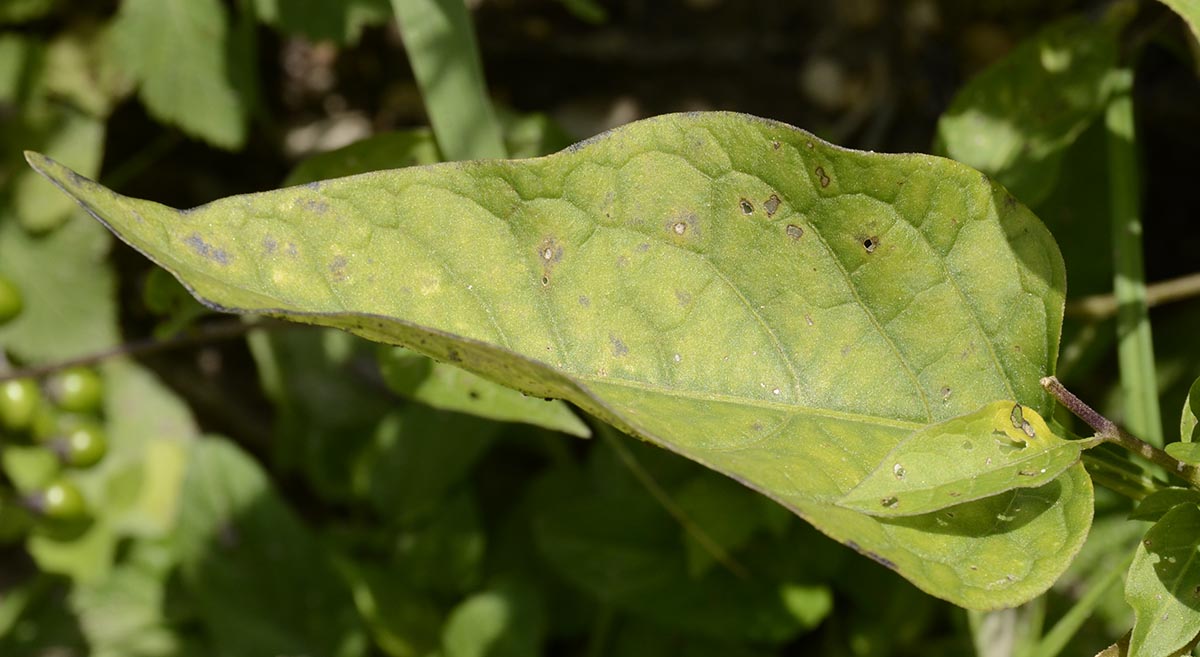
[733, 289]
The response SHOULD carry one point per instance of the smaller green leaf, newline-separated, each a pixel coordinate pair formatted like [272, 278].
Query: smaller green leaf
[387, 150]
[449, 388]
[1188, 453]
[177, 51]
[1164, 584]
[1014, 120]
[997, 448]
[506, 620]
[73, 137]
[323, 20]
[20, 11]
[1156, 504]
[80, 285]
[1188, 431]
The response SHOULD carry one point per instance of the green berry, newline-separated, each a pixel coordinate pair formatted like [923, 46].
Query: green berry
[61, 500]
[81, 445]
[19, 402]
[11, 303]
[76, 389]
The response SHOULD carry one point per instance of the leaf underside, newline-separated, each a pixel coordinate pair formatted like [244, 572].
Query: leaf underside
[772, 306]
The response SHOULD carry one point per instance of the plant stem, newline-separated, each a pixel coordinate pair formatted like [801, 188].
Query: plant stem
[1110, 432]
[1103, 306]
[213, 332]
[1135, 348]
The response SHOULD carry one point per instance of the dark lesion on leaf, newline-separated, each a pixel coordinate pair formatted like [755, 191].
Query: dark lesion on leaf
[793, 231]
[337, 268]
[870, 244]
[746, 205]
[206, 250]
[618, 347]
[823, 177]
[771, 205]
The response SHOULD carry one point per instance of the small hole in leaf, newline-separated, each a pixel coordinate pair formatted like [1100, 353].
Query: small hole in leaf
[747, 206]
[679, 228]
[889, 502]
[898, 470]
[545, 280]
[870, 244]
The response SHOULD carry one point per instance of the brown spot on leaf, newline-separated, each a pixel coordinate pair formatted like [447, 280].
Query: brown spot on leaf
[771, 205]
[822, 177]
[585, 302]
[269, 245]
[795, 232]
[683, 297]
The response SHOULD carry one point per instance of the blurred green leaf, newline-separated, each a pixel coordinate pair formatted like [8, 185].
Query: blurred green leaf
[177, 52]
[21, 11]
[388, 150]
[641, 639]
[319, 20]
[1156, 504]
[505, 620]
[150, 432]
[402, 622]
[927, 284]
[1164, 584]
[28, 468]
[729, 514]
[449, 388]
[440, 43]
[80, 69]
[261, 582]
[443, 555]
[327, 409]
[588, 10]
[84, 552]
[416, 458]
[75, 137]
[1014, 120]
[618, 544]
[64, 274]
[125, 615]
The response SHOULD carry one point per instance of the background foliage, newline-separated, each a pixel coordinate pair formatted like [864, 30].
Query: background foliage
[304, 492]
